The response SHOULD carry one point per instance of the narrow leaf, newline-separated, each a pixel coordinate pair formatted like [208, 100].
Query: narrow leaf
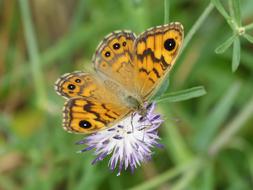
[182, 95]
[248, 37]
[236, 54]
[221, 9]
[249, 26]
[237, 11]
[175, 144]
[225, 45]
[162, 89]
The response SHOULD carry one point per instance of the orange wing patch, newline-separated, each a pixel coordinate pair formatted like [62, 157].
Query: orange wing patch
[82, 115]
[79, 84]
[114, 58]
[155, 53]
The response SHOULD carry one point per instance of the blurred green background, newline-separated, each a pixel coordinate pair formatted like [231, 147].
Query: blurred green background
[208, 140]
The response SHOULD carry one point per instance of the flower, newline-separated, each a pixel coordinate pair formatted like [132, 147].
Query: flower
[129, 141]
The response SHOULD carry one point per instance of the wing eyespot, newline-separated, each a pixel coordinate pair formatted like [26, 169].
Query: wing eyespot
[85, 124]
[78, 80]
[170, 44]
[107, 54]
[116, 46]
[71, 86]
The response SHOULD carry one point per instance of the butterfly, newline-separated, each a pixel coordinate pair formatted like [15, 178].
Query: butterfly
[129, 70]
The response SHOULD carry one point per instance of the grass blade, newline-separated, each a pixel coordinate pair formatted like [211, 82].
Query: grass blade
[170, 174]
[233, 127]
[217, 116]
[175, 144]
[33, 53]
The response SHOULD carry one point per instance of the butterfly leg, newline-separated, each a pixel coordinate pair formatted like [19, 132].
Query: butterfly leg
[145, 126]
[132, 125]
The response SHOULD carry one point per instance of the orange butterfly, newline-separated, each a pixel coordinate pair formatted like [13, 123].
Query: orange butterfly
[128, 72]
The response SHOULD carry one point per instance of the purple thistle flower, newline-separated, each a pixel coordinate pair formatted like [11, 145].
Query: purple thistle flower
[129, 142]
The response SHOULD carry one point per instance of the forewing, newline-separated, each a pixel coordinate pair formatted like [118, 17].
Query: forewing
[155, 53]
[114, 58]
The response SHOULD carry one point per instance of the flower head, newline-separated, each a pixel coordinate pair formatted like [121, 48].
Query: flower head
[129, 141]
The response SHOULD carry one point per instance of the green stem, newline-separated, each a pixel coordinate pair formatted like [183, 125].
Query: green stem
[186, 179]
[197, 25]
[231, 129]
[170, 174]
[166, 11]
[33, 53]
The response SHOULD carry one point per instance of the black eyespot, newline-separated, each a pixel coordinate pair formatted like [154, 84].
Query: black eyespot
[78, 80]
[71, 87]
[124, 43]
[116, 46]
[84, 124]
[170, 44]
[107, 54]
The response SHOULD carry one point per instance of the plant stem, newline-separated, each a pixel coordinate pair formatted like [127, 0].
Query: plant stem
[166, 11]
[33, 53]
[170, 174]
[186, 179]
[231, 129]
[197, 25]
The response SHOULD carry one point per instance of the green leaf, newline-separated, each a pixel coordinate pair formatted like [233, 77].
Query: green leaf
[236, 54]
[192, 165]
[237, 11]
[175, 143]
[221, 9]
[232, 128]
[215, 118]
[207, 181]
[225, 45]
[248, 37]
[182, 95]
[249, 26]
[33, 53]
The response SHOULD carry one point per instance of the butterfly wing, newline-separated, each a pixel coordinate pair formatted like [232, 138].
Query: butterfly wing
[140, 64]
[75, 84]
[155, 53]
[85, 115]
[114, 58]
[90, 106]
